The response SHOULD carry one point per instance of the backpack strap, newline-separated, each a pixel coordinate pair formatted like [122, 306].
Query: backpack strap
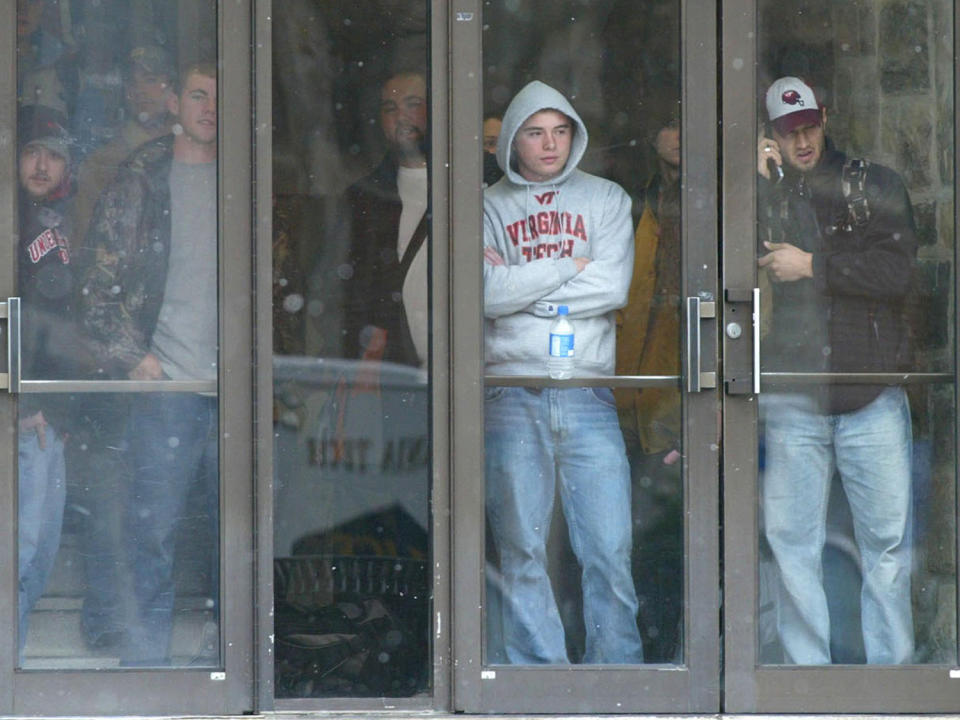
[419, 235]
[853, 179]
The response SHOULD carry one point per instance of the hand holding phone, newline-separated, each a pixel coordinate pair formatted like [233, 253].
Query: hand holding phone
[769, 160]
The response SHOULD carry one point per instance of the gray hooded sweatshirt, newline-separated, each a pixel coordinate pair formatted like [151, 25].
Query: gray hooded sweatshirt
[538, 228]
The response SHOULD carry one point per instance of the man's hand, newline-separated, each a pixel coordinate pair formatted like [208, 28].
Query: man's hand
[492, 257]
[148, 369]
[581, 262]
[786, 262]
[38, 423]
[767, 150]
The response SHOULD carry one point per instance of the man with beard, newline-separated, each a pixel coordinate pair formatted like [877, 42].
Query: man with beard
[386, 313]
[46, 286]
[838, 246]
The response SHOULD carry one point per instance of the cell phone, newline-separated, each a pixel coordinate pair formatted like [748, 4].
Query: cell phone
[775, 170]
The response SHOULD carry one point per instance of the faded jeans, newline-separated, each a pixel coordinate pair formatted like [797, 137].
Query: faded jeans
[42, 495]
[871, 450]
[536, 441]
[174, 445]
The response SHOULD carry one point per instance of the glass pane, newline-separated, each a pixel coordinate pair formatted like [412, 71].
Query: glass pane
[117, 272]
[351, 349]
[858, 494]
[584, 504]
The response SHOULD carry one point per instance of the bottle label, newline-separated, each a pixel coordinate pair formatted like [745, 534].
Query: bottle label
[561, 345]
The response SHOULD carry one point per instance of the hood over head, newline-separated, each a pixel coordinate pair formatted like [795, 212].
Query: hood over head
[533, 98]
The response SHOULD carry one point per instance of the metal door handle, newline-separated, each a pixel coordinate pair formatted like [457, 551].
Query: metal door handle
[10, 380]
[697, 310]
[756, 341]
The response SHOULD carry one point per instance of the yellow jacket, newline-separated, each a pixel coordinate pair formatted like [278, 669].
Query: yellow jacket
[648, 343]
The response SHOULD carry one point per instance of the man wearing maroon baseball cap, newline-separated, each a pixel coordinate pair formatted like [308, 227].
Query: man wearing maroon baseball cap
[797, 123]
[838, 245]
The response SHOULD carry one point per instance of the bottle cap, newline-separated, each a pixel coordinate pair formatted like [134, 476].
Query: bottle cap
[563, 310]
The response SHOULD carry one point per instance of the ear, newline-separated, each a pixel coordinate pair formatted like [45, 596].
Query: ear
[823, 117]
[173, 103]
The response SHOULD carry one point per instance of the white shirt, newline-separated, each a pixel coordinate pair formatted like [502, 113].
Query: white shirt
[412, 187]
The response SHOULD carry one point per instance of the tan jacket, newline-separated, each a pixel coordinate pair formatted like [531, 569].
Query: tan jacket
[648, 343]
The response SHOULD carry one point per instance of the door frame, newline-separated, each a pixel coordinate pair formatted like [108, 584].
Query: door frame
[692, 686]
[749, 686]
[228, 689]
[439, 21]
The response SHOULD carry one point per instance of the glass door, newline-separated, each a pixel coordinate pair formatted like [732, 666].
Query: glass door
[356, 158]
[597, 510]
[125, 331]
[840, 404]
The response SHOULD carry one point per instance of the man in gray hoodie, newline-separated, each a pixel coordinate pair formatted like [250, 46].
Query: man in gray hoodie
[554, 235]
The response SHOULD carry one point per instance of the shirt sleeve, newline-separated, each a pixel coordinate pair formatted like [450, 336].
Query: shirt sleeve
[605, 282]
[509, 289]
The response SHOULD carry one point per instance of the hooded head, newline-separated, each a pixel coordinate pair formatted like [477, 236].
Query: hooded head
[535, 98]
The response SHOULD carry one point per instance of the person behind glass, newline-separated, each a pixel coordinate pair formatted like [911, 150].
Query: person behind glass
[838, 246]
[648, 327]
[148, 78]
[43, 66]
[150, 308]
[386, 315]
[100, 455]
[555, 235]
[491, 133]
[47, 287]
[648, 343]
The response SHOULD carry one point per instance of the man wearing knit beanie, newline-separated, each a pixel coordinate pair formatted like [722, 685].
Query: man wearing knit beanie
[46, 286]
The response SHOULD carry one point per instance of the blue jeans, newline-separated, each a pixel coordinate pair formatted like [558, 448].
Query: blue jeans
[98, 461]
[535, 440]
[174, 445]
[870, 448]
[42, 495]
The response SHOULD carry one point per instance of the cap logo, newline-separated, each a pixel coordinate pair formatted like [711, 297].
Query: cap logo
[792, 97]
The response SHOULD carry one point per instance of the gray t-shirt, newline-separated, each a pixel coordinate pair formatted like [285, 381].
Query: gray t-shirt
[185, 340]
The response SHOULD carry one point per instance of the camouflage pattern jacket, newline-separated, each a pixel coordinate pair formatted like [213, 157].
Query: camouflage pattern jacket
[126, 253]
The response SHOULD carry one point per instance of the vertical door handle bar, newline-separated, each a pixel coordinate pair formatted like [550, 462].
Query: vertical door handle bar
[698, 310]
[693, 344]
[756, 341]
[13, 344]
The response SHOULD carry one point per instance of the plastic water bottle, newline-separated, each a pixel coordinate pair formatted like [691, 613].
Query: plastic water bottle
[560, 356]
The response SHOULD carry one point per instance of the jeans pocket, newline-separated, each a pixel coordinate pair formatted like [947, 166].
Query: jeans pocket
[605, 396]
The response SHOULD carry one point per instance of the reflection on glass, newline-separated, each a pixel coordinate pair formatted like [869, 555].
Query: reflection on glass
[351, 350]
[857, 561]
[584, 500]
[117, 272]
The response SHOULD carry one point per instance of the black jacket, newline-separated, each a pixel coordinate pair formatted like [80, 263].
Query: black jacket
[849, 318]
[374, 292]
[51, 347]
